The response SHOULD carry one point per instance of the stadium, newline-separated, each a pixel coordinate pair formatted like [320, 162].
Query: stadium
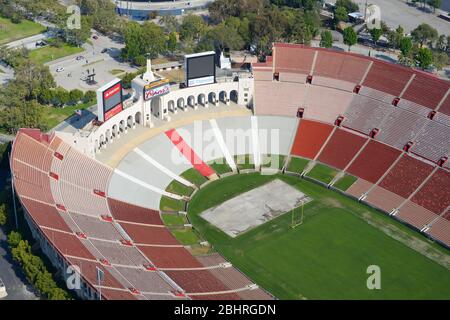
[285, 182]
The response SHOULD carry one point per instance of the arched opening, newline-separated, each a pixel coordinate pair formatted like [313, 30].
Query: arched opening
[234, 96]
[122, 126]
[191, 101]
[115, 131]
[212, 97]
[171, 105]
[138, 118]
[155, 106]
[108, 135]
[223, 96]
[180, 103]
[130, 122]
[201, 99]
[102, 141]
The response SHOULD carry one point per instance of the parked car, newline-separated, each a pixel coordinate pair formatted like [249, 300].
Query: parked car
[3, 292]
[104, 50]
[79, 58]
[60, 69]
[95, 37]
[41, 44]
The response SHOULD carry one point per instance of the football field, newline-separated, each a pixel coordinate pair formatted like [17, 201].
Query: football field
[328, 256]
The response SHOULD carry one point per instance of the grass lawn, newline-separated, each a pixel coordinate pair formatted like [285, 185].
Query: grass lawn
[179, 188]
[220, 166]
[169, 204]
[244, 162]
[10, 31]
[345, 182]
[328, 255]
[297, 164]
[185, 236]
[53, 116]
[171, 220]
[115, 72]
[49, 53]
[268, 162]
[194, 176]
[322, 173]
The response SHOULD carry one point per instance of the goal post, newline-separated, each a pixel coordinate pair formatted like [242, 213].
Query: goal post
[297, 219]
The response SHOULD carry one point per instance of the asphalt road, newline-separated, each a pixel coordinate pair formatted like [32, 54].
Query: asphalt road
[93, 58]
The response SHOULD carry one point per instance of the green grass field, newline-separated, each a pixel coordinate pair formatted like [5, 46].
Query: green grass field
[11, 31]
[328, 255]
[194, 176]
[297, 165]
[322, 173]
[171, 220]
[244, 162]
[185, 236]
[49, 53]
[169, 204]
[277, 161]
[345, 182]
[179, 188]
[53, 116]
[220, 166]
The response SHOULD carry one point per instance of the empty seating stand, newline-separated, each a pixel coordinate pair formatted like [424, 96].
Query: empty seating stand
[310, 137]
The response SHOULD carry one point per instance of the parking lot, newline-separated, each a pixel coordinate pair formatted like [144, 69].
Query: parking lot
[102, 57]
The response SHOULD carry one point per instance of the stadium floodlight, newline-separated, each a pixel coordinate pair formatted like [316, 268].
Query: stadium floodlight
[297, 222]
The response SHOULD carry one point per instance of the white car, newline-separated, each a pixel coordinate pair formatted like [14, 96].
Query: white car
[3, 292]
[60, 69]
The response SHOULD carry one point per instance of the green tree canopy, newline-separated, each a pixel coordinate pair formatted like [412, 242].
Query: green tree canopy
[326, 39]
[424, 34]
[350, 37]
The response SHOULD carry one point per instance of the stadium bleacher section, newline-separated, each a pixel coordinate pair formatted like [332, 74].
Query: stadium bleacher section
[341, 148]
[426, 91]
[387, 78]
[373, 161]
[435, 194]
[82, 209]
[406, 176]
[309, 138]
[90, 236]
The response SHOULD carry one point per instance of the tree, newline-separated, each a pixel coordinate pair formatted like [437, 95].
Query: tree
[192, 27]
[350, 37]
[375, 34]
[78, 36]
[349, 5]
[226, 36]
[424, 58]
[424, 34]
[89, 96]
[440, 60]
[170, 23]
[405, 46]
[435, 4]
[172, 42]
[14, 238]
[326, 39]
[3, 214]
[102, 13]
[75, 96]
[441, 43]
[340, 14]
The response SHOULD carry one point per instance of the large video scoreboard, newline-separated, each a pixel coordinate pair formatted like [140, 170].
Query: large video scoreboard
[109, 100]
[200, 68]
